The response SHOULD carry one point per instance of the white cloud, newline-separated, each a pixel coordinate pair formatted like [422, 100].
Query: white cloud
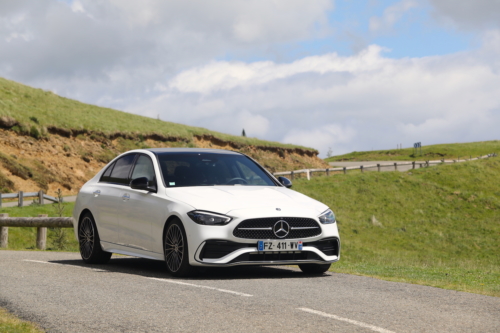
[391, 16]
[323, 137]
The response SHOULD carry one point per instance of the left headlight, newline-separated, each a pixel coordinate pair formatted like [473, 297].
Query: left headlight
[208, 218]
[327, 217]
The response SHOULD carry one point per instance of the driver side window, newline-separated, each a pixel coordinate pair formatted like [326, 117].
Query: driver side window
[144, 168]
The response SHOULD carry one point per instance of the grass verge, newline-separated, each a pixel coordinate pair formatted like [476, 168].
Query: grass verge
[432, 152]
[11, 324]
[436, 226]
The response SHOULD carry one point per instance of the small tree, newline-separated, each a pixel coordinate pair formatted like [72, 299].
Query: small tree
[243, 133]
[330, 152]
[59, 239]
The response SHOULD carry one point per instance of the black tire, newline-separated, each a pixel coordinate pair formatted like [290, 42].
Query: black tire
[90, 243]
[314, 268]
[175, 249]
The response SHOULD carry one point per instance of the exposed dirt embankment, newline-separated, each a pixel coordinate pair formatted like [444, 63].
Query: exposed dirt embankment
[67, 158]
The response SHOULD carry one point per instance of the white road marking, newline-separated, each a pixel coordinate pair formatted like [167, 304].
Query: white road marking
[347, 320]
[56, 263]
[204, 287]
[150, 278]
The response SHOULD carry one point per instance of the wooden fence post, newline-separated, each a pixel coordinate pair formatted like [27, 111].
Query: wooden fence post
[327, 172]
[4, 234]
[20, 199]
[345, 170]
[41, 235]
[40, 197]
[378, 167]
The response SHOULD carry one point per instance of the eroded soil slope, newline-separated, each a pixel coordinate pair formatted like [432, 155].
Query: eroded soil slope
[67, 162]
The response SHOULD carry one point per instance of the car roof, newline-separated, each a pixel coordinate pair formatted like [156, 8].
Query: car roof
[191, 150]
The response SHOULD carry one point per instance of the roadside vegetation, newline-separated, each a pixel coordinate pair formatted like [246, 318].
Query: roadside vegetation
[58, 239]
[11, 324]
[436, 226]
[451, 151]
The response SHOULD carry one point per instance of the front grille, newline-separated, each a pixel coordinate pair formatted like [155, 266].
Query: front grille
[262, 228]
[215, 249]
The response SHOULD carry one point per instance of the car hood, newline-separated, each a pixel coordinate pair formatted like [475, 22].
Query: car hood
[226, 199]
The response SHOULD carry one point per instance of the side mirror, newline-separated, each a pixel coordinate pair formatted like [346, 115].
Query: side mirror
[141, 183]
[285, 182]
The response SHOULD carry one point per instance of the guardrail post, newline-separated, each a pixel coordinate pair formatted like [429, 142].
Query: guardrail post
[41, 235]
[395, 167]
[20, 199]
[361, 168]
[40, 197]
[413, 165]
[4, 234]
[291, 175]
[308, 173]
[345, 170]
[327, 172]
[378, 167]
[0, 200]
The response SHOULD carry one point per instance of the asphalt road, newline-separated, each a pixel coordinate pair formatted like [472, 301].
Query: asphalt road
[129, 294]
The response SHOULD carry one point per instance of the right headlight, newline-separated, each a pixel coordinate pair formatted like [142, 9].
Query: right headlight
[327, 217]
[208, 218]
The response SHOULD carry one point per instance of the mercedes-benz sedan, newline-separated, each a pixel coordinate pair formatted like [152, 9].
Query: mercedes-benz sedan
[201, 207]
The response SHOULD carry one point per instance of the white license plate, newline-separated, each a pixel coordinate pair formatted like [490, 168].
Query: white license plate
[277, 245]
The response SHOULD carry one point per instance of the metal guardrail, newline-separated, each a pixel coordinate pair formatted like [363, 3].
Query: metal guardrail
[21, 195]
[421, 164]
[42, 222]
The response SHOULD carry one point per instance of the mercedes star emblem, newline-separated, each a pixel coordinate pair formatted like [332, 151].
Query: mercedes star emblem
[281, 229]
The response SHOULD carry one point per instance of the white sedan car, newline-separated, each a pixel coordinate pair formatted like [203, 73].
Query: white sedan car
[201, 207]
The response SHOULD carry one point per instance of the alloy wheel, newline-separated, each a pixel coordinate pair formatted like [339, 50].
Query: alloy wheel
[174, 248]
[86, 236]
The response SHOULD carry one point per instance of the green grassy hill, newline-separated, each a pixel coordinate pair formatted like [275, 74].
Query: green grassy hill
[432, 152]
[37, 110]
[437, 226]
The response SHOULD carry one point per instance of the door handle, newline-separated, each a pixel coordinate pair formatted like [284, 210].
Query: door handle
[126, 196]
[96, 193]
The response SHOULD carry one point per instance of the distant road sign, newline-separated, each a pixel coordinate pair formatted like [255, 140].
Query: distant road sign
[417, 145]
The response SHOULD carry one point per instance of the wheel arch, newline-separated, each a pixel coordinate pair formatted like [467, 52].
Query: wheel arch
[83, 212]
[167, 222]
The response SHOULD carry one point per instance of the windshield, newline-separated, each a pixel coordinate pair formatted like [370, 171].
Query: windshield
[208, 169]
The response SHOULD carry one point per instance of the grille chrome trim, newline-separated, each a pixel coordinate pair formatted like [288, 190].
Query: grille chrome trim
[262, 228]
[255, 228]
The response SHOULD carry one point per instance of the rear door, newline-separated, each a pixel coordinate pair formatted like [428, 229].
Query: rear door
[109, 200]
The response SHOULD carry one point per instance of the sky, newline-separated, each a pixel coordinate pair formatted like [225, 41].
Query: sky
[335, 75]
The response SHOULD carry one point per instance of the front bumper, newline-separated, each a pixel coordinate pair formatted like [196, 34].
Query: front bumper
[229, 253]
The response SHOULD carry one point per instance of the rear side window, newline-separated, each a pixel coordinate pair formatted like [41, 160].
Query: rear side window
[121, 170]
[106, 175]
